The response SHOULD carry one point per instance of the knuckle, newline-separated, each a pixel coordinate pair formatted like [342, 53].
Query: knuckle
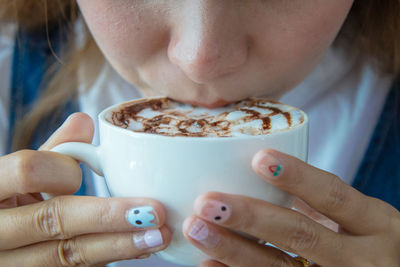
[337, 197]
[105, 214]
[25, 167]
[303, 236]
[70, 253]
[47, 219]
[390, 216]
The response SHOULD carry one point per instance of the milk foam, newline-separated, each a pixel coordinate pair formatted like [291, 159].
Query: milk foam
[167, 117]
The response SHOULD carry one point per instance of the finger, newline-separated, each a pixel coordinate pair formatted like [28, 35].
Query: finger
[20, 200]
[68, 216]
[29, 171]
[88, 250]
[230, 248]
[321, 190]
[285, 228]
[302, 207]
[78, 127]
[212, 263]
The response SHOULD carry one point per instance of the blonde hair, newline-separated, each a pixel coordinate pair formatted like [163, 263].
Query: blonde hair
[372, 27]
[61, 77]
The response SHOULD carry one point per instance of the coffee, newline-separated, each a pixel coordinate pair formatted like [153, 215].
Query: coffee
[164, 116]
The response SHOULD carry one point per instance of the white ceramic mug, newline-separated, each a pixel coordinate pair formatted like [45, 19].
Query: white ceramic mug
[175, 170]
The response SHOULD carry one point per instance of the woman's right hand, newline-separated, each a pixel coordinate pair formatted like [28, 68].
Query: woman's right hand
[69, 230]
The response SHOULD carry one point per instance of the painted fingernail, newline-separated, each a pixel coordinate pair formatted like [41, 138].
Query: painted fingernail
[204, 234]
[214, 211]
[268, 166]
[148, 239]
[142, 216]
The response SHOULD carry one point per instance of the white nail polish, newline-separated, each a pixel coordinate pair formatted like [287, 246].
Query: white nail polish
[148, 239]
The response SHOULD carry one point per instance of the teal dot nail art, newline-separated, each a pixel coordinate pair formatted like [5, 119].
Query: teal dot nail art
[141, 216]
[275, 169]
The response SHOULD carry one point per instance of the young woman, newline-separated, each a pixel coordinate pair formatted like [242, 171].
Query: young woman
[337, 60]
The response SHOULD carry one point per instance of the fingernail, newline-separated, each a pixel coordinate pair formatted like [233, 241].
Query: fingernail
[213, 210]
[204, 234]
[148, 239]
[268, 166]
[142, 216]
[141, 257]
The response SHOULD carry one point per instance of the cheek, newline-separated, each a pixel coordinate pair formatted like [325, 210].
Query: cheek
[312, 23]
[311, 37]
[127, 32]
[292, 47]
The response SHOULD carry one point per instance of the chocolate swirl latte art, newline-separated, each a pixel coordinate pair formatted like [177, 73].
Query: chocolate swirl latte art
[164, 116]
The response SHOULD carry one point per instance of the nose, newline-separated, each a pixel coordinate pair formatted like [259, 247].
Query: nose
[209, 40]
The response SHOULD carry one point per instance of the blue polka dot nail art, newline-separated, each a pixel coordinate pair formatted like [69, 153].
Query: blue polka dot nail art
[142, 216]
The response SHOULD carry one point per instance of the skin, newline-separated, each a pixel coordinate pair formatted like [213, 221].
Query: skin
[65, 230]
[212, 52]
[209, 53]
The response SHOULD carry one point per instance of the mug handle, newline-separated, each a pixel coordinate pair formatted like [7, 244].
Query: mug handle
[87, 153]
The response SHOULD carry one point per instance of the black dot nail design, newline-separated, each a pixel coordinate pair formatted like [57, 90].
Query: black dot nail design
[215, 211]
[141, 216]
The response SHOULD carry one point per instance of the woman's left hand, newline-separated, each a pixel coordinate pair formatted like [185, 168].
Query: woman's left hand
[369, 233]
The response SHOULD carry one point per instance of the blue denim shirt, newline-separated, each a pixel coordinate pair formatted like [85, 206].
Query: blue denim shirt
[32, 56]
[378, 174]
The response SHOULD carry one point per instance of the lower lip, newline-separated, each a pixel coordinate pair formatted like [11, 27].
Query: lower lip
[216, 104]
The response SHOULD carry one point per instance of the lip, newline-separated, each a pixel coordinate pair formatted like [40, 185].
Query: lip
[216, 104]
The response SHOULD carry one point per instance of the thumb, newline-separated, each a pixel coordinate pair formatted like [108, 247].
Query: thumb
[78, 127]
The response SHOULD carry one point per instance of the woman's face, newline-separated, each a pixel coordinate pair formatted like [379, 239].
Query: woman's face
[210, 52]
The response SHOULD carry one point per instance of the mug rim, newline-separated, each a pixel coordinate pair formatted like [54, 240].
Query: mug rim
[103, 120]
